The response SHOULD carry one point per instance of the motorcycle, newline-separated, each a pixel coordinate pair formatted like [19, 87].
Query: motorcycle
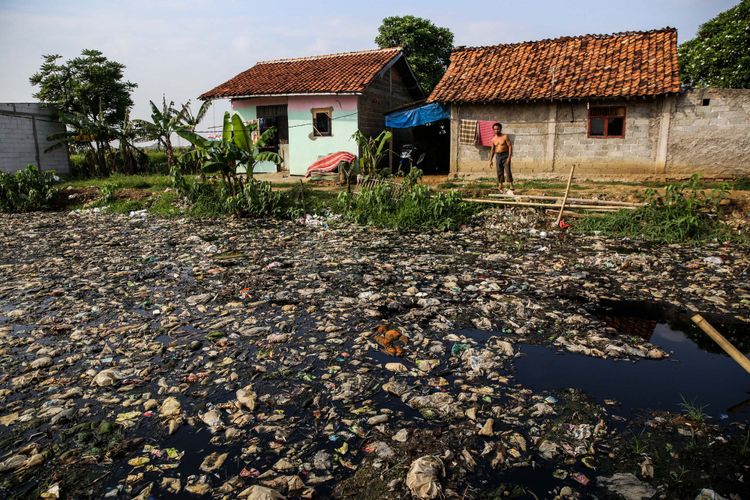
[410, 156]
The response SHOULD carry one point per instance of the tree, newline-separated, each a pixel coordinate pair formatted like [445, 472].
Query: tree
[426, 46]
[719, 55]
[91, 99]
[91, 85]
[165, 122]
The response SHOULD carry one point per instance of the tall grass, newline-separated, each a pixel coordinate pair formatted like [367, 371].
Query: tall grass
[409, 206]
[686, 212]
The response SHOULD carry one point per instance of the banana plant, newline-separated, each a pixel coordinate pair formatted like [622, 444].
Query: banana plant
[165, 122]
[191, 121]
[236, 148]
[371, 150]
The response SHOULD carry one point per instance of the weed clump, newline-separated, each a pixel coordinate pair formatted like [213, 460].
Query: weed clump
[406, 206]
[28, 190]
[685, 213]
[213, 198]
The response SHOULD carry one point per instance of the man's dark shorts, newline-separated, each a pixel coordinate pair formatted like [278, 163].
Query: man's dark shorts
[502, 165]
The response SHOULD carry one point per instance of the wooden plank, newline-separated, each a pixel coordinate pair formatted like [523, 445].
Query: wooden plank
[547, 205]
[570, 200]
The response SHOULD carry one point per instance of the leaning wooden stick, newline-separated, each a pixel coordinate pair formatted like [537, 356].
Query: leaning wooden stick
[565, 198]
[723, 343]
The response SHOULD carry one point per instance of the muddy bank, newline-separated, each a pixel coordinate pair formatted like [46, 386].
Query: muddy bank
[144, 356]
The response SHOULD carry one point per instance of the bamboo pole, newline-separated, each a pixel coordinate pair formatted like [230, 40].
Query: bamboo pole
[723, 342]
[565, 198]
[572, 201]
[547, 205]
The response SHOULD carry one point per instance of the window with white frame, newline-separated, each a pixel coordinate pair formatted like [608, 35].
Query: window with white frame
[321, 121]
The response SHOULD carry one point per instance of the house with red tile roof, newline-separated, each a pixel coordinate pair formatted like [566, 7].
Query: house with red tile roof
[610, 104]
[317, 103]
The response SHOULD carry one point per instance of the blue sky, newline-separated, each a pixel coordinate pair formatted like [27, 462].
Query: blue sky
[183, 48]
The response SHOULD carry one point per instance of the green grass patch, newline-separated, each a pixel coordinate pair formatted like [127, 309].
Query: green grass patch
[408, 207]
[148, 181]
[126, 206]
[165, 205]
[207, 205]
[687, 212]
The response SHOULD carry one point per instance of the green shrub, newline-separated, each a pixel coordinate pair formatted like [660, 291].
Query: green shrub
[686, 212]
[257, 199]
[107, 193]
[28, 190]
[78, 166]
[410, 206]
[157, 162]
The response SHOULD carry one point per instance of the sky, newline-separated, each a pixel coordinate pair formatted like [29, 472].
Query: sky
[181, 49]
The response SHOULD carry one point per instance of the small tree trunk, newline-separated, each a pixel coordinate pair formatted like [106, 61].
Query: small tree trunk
[170, 152]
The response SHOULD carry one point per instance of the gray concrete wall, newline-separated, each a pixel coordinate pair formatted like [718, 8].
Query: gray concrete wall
[24, 128]
[713, 140]
[548, 138]
[665, 137]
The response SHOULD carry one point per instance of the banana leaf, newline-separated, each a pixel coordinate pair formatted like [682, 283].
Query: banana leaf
[193, 138]
[213, 167]
[241, 134]
[268, 156]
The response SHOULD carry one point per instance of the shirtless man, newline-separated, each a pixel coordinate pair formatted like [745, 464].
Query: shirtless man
[502, 153]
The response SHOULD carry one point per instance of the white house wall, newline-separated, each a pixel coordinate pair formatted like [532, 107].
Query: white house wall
[305, 148]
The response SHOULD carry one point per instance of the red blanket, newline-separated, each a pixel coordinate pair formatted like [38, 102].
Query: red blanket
[485, 132]
[329, 163]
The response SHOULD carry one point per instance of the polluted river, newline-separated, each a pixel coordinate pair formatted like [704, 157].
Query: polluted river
[155, 358]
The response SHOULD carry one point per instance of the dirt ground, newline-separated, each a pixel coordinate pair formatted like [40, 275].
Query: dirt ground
[209, 358]
[632, 190]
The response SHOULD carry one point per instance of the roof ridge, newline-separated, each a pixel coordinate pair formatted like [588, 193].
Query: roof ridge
[326, 56]
[568, 37]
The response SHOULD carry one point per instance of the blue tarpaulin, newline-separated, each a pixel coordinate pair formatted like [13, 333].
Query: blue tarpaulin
[413, 117]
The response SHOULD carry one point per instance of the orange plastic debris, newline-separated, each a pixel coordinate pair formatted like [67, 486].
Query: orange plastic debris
[392, 341]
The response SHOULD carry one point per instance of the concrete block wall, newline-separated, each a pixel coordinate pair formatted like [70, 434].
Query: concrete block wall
[635, 153]
[549, 138]
[711, 139]
[668, 136]
[24, 128]
[525, 124]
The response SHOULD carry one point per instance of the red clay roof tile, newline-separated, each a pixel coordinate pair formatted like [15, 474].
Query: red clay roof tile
[347, 72]
[620, 65]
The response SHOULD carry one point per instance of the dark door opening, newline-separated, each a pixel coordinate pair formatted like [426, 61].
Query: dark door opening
[434, 140]
[277, 117]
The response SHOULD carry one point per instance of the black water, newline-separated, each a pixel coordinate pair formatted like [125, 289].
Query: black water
[692, 372]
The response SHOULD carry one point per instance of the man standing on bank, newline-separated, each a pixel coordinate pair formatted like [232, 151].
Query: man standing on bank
[502, 153]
